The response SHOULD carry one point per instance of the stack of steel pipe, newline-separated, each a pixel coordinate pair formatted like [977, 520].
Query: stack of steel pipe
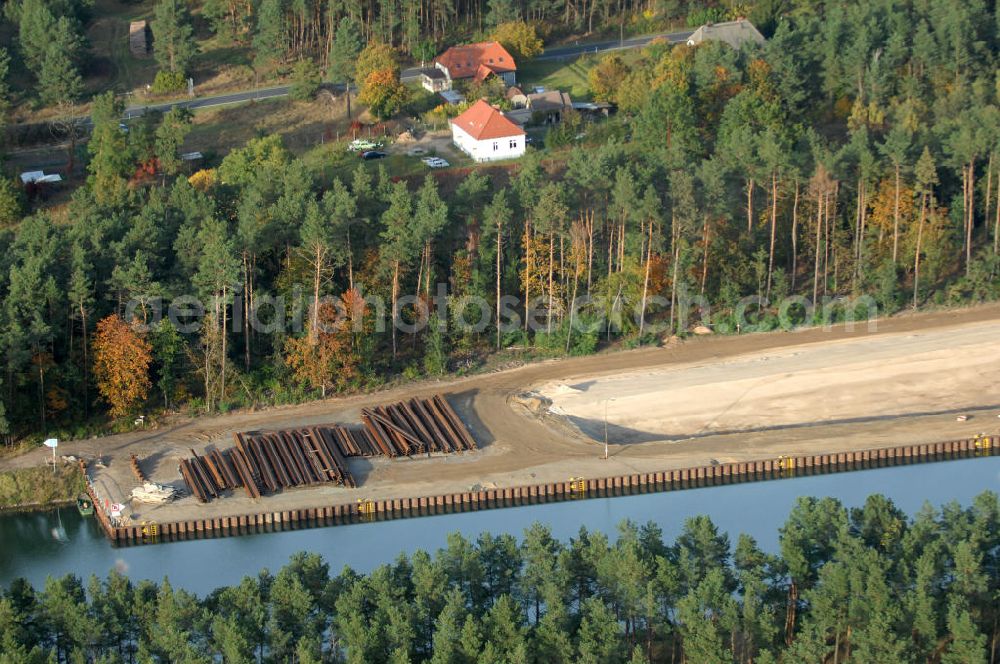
[250, 477]
[351, 442]
[417, 426]
[265, 462]
[275, 460]
[137, 471]
[198, 478]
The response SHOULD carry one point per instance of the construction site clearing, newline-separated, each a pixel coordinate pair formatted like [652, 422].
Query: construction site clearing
[915, 379]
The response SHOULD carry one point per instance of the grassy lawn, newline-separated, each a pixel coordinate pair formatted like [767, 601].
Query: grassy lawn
[569, 76]
[113, 65]
[334, 160]
[40, 486]
[302, 125]
[316, 131]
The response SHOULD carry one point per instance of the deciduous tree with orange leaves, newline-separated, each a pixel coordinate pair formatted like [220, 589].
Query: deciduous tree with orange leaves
[383, 93]
[121, 364]
[325, 357]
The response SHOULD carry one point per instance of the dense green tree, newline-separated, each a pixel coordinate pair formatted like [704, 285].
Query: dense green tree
[306, 79]
[344, 52]
[291, 613]
[430, 215]
[265, 155]
[702, 613]
[401, 244]
[168, 348]
[10, 202]
[448, 631]
[215, 279]
[553, 640]
[5, 89]
[806, 545]
[110, 160]
[176, 616]
[31, 300]
[174, 43]
[599, 641]
[111, 607]
[35, 28]
[539, 550]
[926, 177]
[59, 80]
[64, 615]
[170, 136]
[502, 11]
[269, 44]
[968, 644]
[4, 424]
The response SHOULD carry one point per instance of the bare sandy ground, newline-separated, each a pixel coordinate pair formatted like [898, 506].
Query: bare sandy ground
[725, 398]
[936, 372]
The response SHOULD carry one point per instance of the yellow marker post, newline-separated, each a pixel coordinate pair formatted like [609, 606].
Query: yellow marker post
[366, 509]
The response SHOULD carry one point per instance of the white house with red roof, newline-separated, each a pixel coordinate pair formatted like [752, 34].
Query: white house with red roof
[486, 134]
[477, 62]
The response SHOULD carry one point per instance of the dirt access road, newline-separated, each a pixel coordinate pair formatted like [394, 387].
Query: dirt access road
[715, 398]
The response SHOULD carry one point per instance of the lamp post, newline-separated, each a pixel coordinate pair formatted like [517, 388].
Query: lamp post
[606, 401]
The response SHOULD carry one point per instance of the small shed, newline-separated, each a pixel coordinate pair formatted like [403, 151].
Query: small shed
[594, 109]
[452, 97]
[551, 105]
[39, 177]
[434, 79]
[138, 38]
[516, 97]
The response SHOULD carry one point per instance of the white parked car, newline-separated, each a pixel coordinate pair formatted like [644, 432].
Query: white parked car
[362, 145]
[435, 162]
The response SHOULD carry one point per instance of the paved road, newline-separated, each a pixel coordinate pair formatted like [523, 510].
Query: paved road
[577, 50]
[209, 102]
[410, 74]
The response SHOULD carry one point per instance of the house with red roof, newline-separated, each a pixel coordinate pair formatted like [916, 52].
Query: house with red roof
[486, 134]
[477, 62]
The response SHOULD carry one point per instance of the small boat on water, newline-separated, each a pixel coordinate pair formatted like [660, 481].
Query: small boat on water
[85, 505]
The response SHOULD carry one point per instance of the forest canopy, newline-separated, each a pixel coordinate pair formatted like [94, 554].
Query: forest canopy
[846, 166]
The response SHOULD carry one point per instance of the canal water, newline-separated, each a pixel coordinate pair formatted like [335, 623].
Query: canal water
[35, 545]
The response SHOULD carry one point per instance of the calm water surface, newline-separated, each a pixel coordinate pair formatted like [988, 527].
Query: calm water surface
[55, 543]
